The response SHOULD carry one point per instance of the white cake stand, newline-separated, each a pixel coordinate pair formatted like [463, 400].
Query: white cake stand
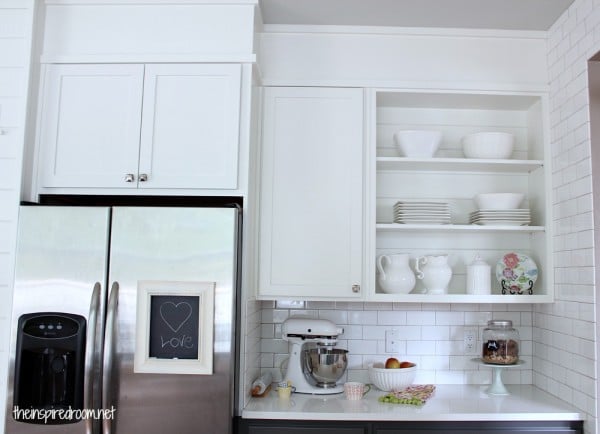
[497, 387]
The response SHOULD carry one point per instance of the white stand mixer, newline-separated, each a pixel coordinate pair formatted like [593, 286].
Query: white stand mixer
[316, 368]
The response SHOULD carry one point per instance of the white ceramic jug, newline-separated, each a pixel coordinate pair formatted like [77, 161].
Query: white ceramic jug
[435, 273]
[395, 275]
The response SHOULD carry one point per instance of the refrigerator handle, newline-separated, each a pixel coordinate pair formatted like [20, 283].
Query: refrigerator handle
[88, 382]
[109, 336]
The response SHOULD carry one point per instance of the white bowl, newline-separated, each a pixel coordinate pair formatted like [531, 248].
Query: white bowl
[491, 145]
[499, 200]
[391, 379]
[417, 143]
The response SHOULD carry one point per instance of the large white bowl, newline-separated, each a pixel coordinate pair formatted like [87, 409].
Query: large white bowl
[417, 143]
[499, 200]
[491, 145]
[391, 379]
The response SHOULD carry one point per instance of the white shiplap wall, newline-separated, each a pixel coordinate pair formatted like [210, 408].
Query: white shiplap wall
[565, 338]
[16, 17]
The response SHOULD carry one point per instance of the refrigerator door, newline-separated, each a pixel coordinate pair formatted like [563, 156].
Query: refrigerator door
[170, 244]
[61, 267]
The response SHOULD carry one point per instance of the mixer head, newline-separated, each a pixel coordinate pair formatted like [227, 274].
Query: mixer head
[304, 329]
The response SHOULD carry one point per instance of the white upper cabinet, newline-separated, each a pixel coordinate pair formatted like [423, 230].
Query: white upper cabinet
[90, 125]
[190, 126]
[311, 195]
[134, 126]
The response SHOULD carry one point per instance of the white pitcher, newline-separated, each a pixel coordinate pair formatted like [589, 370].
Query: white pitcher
[435, 273]
[395, 275]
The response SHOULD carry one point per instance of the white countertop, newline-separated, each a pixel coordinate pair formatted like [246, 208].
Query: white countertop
[449, 402]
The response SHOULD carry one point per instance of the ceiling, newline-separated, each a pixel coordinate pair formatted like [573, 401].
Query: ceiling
[474, 14]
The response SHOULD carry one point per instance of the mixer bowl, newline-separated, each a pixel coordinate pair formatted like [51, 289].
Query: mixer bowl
[324, 365]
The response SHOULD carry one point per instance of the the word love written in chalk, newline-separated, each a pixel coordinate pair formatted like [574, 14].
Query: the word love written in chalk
[174, 324]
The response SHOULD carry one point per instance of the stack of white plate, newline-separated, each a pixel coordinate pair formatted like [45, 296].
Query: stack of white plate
[512, 217]
[434, 213]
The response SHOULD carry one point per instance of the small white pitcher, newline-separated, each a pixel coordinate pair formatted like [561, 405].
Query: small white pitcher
[435, 273]
[395, 275]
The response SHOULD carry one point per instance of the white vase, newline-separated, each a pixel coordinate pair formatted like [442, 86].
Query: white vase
[395, 275]
[435, 273]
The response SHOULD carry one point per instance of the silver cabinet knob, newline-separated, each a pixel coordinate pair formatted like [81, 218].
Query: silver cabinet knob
[355, 288]
[143, 177]
[130, 177]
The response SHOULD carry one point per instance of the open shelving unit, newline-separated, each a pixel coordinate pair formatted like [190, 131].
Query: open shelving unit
[449, 177]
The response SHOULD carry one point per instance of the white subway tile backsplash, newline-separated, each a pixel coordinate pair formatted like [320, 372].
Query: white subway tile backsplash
[352, 332]
[266, 360]
[449, 318]
[375, 332]
[362, 317]
[435, 333]
[420, 318]
[335, 316]
[434, 363]
[394, 318]
[477, 318]
[267, 331]
[362, 347]
[273, 346]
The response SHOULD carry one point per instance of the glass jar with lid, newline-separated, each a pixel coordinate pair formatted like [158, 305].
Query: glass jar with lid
[500, 343]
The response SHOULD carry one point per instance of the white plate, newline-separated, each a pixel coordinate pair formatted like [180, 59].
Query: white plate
[501, 218]
[419, 202]
[501, 223]
[424, 222]
[517, 210]
[497, 216]
[421, 208]
[501, 211]
[422, 213]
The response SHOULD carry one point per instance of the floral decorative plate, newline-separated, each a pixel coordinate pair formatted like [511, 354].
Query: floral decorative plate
[516, 273]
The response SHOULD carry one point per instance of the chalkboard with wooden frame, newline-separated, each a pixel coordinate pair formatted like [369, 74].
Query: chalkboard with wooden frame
[174, 331]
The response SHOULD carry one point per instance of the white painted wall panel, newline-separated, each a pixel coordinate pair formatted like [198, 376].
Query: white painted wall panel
[81, 30]
[405, 60]
[16, 18]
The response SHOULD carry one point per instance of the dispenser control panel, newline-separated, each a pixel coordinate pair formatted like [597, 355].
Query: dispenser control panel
[50, 326]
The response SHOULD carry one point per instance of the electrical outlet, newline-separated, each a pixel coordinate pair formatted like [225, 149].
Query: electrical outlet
[392, 344]
[470, 340]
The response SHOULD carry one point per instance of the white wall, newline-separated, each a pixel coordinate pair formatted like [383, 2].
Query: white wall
[565, 336]
[16, 17]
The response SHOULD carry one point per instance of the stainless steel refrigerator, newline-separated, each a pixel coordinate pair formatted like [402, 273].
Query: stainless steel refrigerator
[97, 323]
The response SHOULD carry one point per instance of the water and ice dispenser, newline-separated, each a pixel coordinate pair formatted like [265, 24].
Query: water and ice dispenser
[50, 362]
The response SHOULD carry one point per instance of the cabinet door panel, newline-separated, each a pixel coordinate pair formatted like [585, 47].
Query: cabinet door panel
[311, 192]
[190, 126]
[90, 125]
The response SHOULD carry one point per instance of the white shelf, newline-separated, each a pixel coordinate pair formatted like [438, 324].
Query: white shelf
[458, 164]
[463, 298]
[392, 227]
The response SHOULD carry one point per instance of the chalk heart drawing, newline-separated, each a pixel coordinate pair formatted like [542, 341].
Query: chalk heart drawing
[175, 315]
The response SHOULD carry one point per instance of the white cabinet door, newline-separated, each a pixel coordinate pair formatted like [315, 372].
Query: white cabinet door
[190, 126]
[311, 210]
[90, 125]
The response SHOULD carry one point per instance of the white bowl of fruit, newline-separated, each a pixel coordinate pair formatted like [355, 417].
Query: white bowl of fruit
[393, 374]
